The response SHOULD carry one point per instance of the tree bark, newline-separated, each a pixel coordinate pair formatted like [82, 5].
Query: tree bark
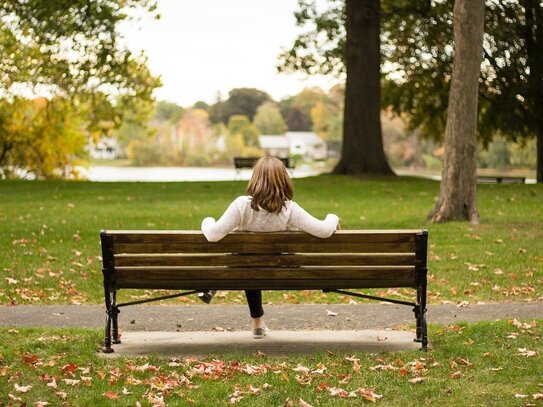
[362, 150]
[458, 192]
[533, 38]
[539, 143]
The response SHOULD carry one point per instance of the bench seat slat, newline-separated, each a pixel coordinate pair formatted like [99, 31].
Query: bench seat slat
[220, 247]
[393, 259]
[187, 276]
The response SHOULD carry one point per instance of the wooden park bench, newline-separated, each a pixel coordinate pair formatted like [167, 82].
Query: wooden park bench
[499, 179]
[249, 162]
[185, 260]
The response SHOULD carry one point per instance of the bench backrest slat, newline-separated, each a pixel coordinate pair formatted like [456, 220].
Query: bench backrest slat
[282, 260]
[271, 278]
[265, 260]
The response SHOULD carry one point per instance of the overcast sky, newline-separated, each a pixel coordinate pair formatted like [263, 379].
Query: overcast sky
[203, 47]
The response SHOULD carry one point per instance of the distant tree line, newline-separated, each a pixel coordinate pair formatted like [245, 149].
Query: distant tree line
[207, 134]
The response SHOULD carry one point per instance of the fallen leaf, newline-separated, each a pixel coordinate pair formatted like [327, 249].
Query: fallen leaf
[416, 380]
[14, 398]
[456, 375]
[537, 396]
[338, 391]
[11, 281]
[331, 313]
[301, 369]
[304, 403]
[30, 359]
[235, 397]
[520, 396]
[62, 395]
[111, 395]
[367, 393]
[253, 390]
[41, 403]
[22, 389]
[526, 352]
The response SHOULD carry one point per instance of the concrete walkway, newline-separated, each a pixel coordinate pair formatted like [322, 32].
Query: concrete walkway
[211, 329]
[278, 317]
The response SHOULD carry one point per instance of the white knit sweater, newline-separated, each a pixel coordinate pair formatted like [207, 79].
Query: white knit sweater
[240, 216]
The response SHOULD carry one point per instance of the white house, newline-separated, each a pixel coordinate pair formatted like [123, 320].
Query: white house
[307, 144]
[275, 145]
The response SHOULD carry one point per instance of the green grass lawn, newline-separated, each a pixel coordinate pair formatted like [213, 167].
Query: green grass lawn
[484, 364]
[50, 233]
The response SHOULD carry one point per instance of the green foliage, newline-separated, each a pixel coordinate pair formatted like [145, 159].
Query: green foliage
[268, 119]
[241, 101]
[167, 111]
[501, 153]
[69, 51]
[72, 47]
[241, 125]
[300, 114]
[417, 44]
[295, 118]
[319, 48]
[420, 48]
[523, 154]
[40, 137]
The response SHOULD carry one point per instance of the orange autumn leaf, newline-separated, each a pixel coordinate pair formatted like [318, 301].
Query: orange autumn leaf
[111, 395]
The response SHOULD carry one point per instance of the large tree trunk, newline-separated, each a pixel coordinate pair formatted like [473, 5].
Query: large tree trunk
[539, 143]
[534, 42]
[362, 150]
[458, 192]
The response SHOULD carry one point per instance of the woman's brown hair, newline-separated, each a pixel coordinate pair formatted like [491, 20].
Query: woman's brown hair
[270, 186]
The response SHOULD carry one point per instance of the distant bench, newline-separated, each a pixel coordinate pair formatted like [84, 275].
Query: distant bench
[249, 162]
[185, 260]
[491, 179]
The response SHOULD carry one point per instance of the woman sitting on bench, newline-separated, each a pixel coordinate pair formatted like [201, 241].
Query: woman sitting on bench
[267, 207]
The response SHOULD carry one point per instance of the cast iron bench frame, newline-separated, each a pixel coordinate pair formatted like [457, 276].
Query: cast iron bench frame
[185, 260]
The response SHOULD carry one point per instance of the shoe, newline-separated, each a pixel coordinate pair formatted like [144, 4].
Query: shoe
[207, 296]
[259, 333]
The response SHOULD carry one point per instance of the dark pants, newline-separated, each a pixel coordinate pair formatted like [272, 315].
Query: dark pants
[254, 299]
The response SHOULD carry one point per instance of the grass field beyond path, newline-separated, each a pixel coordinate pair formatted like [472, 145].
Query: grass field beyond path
[50, 234]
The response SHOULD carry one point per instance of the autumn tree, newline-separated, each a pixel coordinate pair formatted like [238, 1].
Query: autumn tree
[268, 119]
[71, 50]
[41, 137]
[241, 125]
[458, 190]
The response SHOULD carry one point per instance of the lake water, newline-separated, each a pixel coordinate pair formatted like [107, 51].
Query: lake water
[177, 174]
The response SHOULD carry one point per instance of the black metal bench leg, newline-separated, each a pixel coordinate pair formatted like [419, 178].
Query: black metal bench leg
[107, 294]
[424, 331]
[107, 340]
[423, 325]
[418, 319]
[114, 317]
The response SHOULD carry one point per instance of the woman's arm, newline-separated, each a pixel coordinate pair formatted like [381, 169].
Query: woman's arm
[215, 231]
[302, 220]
